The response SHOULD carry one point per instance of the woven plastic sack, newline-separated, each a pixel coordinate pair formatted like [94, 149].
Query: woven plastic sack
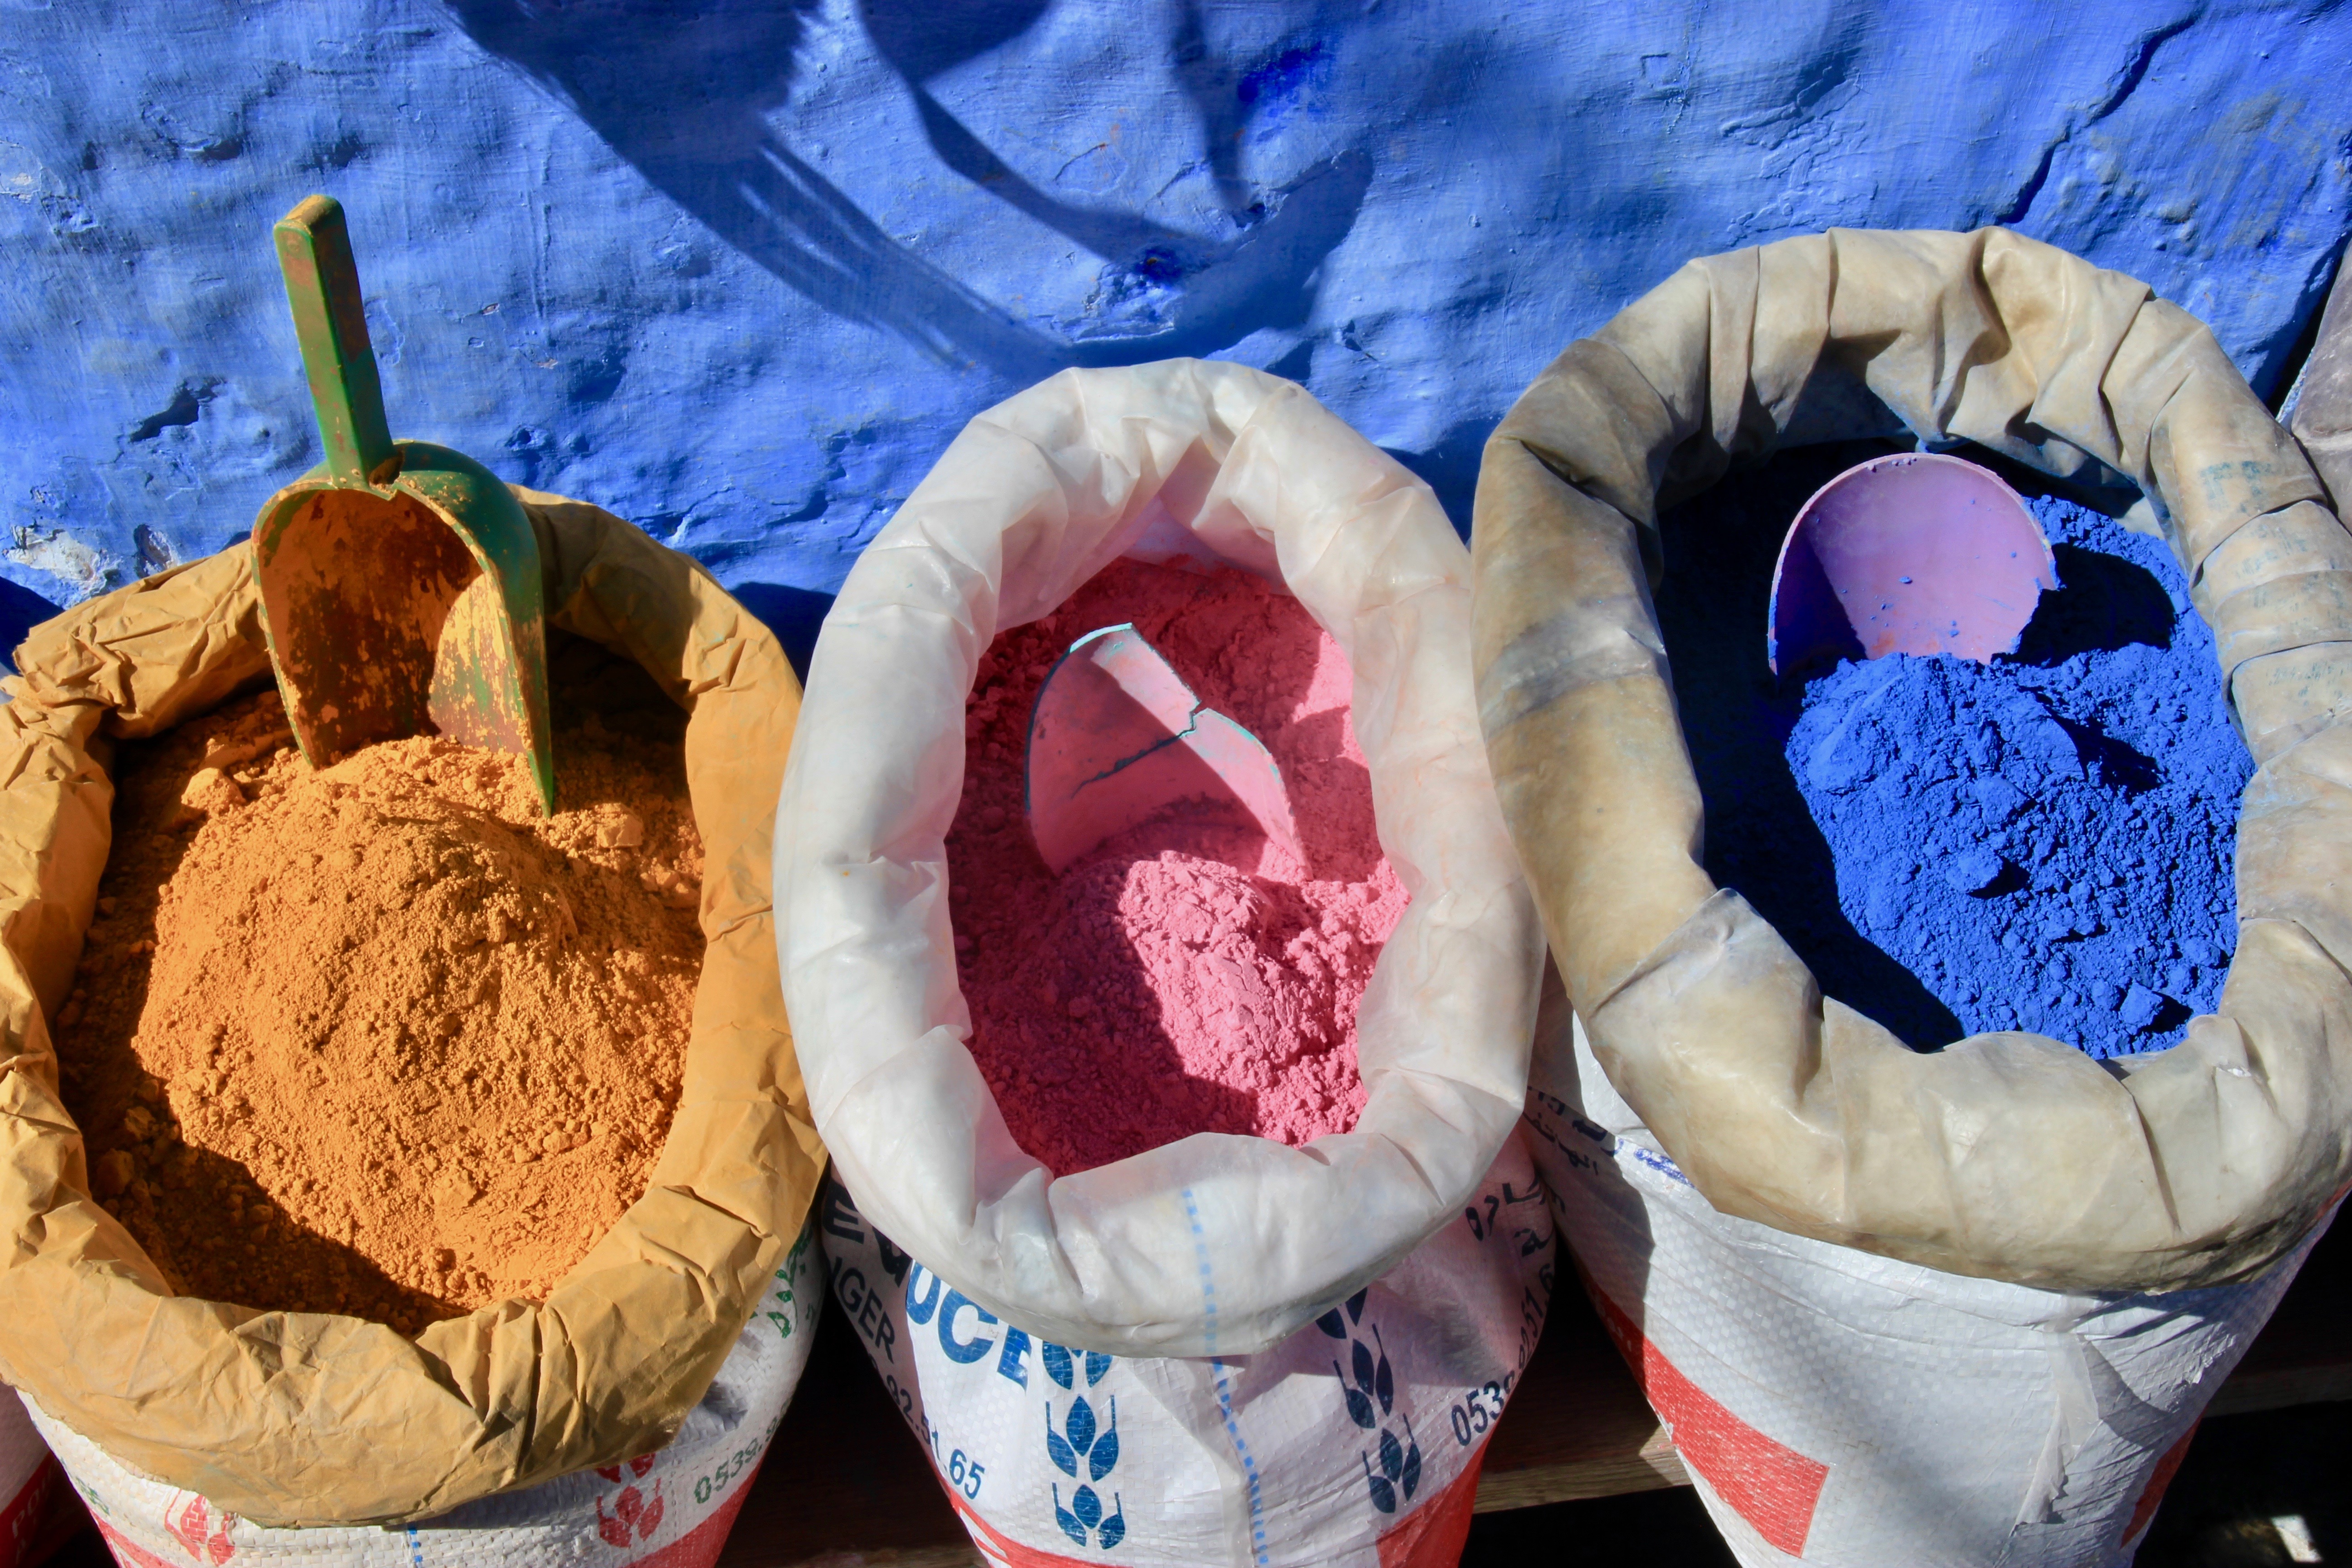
[291, 1418]
[1835, 1407]
[1973, 1298]
[670, 1508]
[1212, 1246]
[1355, 1441]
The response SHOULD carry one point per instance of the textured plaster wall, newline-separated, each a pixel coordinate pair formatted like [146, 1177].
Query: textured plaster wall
[739, 270]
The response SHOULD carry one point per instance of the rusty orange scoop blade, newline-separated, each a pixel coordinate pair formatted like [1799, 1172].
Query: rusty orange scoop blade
[400, 581]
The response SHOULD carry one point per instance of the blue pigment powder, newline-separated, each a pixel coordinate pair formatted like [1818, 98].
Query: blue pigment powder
[2042, 843]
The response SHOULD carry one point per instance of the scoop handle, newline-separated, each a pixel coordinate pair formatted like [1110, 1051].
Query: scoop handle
[322, 287]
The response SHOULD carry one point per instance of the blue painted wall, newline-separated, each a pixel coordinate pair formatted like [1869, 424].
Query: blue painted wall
[740, 269]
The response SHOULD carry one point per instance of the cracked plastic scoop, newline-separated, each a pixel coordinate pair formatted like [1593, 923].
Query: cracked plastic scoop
[1916, 553]
[401, 586]
[1118, 738]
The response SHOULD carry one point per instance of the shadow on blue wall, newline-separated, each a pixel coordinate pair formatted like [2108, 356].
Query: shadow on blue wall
[686, 101]
[794, 615]
[1449, 466]
[21, 610]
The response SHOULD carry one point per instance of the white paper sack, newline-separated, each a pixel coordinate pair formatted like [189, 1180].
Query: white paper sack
[1354, 1443]
[1214, 1245]
[1837, 1408]
[670, 1509]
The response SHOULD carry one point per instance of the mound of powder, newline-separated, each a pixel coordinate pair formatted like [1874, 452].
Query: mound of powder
[382, 1039]
[1185, 976]
[2043, 842]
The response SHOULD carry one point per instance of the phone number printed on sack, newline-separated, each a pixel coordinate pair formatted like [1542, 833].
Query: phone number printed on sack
[1475, 1413]
[742, 1461]
[965, 1475]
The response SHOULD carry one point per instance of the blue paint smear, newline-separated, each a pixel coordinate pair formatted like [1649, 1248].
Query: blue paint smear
[2042, 843]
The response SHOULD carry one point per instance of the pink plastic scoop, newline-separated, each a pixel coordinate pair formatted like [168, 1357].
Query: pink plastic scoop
[1118, 738]
[1916, 553]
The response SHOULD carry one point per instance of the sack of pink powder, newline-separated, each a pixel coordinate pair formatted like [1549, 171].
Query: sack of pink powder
[1209, 1080]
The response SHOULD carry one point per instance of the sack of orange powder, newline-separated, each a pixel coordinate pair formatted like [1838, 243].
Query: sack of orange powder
[199, 1428]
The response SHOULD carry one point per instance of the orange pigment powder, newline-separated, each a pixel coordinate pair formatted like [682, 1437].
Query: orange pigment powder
[382, 1039]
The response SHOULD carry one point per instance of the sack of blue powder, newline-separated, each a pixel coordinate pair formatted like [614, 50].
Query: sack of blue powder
[1951, 1272]
[2008, 1153]
[2044, 840]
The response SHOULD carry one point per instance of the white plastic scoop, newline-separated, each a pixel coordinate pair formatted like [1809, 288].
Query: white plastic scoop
[1116, 738]
[1915, 553]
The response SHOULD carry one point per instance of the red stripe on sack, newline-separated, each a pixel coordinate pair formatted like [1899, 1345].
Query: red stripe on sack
[2144, 1511]
[127, 1552]
[698, 1547]
[22, 1520]
[1763, 1481]
[1434, 1534]
[1002, 1549]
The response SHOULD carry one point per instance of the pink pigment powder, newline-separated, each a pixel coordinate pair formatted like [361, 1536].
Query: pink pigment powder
[1185, 976]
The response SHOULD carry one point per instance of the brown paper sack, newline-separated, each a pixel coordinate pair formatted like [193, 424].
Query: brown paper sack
[2008, 1155]
[293, 1418]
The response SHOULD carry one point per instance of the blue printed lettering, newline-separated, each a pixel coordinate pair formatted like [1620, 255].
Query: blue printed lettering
[1008, 1363]
[919, 1309]
[958, 1350]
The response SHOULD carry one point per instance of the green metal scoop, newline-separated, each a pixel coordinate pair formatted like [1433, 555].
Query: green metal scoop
[400, 581]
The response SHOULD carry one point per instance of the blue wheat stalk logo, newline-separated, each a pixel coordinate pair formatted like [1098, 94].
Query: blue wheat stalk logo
[1084, 1450]
[1368, 1385]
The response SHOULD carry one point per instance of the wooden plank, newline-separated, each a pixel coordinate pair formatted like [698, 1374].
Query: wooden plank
[846, 1485]
[2303, 1354]
[960, 1555]
[1576, 1426]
